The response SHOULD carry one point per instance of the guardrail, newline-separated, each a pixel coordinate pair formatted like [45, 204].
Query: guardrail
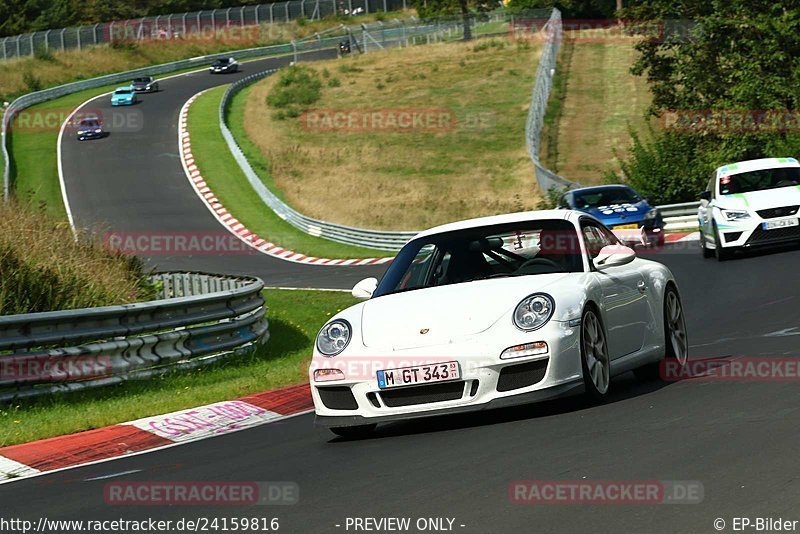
[681, 216]
[198, 319]
[376, 239]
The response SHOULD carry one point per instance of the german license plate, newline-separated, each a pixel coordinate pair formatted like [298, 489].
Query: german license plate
[785, 223]
[420, 374]
[627, 227]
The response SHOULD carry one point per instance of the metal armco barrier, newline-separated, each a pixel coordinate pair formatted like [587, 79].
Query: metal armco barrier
[199, 319]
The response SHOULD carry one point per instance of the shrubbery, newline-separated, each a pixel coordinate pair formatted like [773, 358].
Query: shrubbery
[43, 268]
[297, 88]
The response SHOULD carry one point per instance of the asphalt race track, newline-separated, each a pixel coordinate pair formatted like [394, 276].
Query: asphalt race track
[738, 439]
[132, 182]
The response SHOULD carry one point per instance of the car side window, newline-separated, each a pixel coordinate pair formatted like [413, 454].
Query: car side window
[712, 184]
[596, 238]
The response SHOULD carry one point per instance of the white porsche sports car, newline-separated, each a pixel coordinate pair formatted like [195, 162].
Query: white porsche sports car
[748, 204]
[494, 312]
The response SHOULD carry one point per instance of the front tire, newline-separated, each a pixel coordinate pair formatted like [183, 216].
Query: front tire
[595, 360]
[353, 432]
[676, 342]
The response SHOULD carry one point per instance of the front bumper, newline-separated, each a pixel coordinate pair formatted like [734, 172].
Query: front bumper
[751, 233]
[89, 135]
[486, 381]
[123, 102]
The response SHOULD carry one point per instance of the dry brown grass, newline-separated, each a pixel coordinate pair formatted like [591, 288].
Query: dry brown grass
[42, 267]
[69, 65]
[413, 179]
[602, 100]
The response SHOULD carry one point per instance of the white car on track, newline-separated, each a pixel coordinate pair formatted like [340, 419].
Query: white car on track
[749, 204]
[494, 312]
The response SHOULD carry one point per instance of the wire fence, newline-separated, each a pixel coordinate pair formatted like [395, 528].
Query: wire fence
[551, 35]
[185, 25]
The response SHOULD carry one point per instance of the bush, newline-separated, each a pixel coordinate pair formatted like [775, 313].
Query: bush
[297, 89]
[668, 167]
[334, 82]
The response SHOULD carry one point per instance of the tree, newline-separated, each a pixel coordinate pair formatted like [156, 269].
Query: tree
[445, 8]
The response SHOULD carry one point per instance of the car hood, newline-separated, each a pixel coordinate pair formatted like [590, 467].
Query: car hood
[758, 200]
[620, 213]
[447, 312]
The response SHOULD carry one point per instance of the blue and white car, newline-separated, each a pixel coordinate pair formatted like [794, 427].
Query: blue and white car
[749, 204]
[621, 209]
[123, 96]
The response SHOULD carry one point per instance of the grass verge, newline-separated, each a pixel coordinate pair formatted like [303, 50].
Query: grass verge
[294, 316]
[473, 164]
[596, 101]
[230, 185]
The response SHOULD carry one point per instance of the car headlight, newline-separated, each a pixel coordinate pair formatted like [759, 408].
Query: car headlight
[652, 214]
[734, 215]
[534, 311]
[98, 131]
[334, 337]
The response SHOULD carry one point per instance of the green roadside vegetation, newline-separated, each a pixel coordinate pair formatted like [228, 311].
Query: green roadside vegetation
[223, 176]
[294, 319]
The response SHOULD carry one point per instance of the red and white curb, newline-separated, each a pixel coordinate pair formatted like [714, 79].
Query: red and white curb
[229, 221]
[150, 433]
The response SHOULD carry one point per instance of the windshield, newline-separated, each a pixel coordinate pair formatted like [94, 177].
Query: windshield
[221, 62]
[517, 249]
[597, 198]
[89, 124]
[123, 91]
[759, 180]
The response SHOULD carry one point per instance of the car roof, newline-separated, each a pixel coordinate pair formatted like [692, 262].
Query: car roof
[600, 188]
[569, 215]
[755, 165]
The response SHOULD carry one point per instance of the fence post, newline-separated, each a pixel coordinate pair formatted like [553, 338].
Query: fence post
[32, 45]
[94, 33]
[384, 7]
[228, 17]
[241, 16]
[271, 6]
[4, 47]
[287, 12]
[63, 45]
[214, 21]
[79, 36]
[294, 49]
[18, 51]
[303, 8]
[366, 7]
[333, 3]
[349, 7]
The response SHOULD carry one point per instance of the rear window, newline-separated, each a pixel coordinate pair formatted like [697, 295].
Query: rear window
[759, 180]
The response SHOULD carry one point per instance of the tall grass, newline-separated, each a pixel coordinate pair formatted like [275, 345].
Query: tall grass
[43, 267]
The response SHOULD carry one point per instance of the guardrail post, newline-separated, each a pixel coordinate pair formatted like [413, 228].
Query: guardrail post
[294, 48]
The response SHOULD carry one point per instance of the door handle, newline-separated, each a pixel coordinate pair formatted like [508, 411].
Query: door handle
[642, 286]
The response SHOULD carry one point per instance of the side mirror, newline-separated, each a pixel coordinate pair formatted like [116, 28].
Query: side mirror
[365, 288]
[614, 256]
[705, 195]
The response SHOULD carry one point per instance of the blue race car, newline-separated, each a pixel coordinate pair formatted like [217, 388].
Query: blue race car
[123, 96]
[620, 208]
